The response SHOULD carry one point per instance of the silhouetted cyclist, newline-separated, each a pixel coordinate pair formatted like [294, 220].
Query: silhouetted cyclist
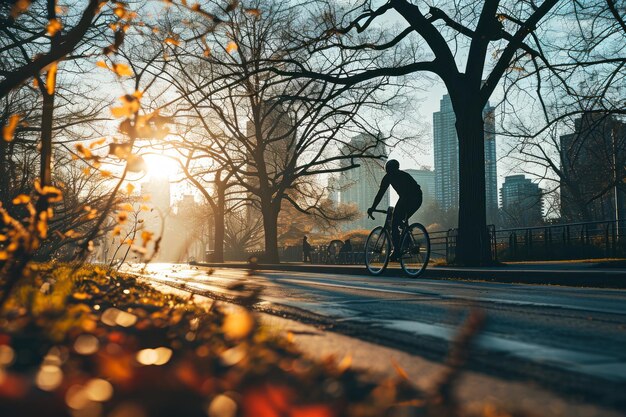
[410, 199]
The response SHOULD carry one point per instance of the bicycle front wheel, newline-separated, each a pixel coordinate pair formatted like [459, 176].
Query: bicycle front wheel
[415, 251]
[377, 249]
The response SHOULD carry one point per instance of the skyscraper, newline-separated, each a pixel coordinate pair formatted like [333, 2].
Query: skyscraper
[593, 160]
[359, 186]
[447, 159]
[522, 202]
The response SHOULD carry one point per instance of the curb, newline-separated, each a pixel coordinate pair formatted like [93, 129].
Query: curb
[588, 277]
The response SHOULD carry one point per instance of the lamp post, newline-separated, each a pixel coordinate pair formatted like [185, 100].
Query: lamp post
[615, 183]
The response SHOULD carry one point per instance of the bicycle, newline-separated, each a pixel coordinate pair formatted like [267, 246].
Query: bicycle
[414, 247]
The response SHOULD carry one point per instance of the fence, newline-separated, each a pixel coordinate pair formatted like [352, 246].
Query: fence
[590, 240]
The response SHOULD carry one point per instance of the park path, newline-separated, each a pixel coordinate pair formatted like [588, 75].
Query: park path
[568, 341]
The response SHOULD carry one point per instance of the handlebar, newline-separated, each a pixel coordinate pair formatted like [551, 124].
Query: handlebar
[376, 211]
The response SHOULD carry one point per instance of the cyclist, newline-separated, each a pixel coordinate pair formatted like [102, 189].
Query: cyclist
[410, 199]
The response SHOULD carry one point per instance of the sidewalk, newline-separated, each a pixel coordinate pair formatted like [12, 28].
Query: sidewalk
[577, 274]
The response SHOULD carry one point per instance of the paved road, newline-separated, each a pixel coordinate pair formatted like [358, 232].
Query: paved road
[568, 340]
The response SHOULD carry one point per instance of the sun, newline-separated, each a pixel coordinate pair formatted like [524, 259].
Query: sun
[161, 166]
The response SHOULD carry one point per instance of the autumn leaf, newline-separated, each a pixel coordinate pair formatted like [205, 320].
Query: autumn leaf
[238, 324]
[122, 70]
[84, 151]
[317, 410]
[130, 188]
[253, 12]
[86, 171]
[53, 194]
[97, 142]
[146, 237]
[120, 150]
[9, 129]
[231, 47]
[51, 78]
[122, 216]
[130, 105]
[53, 27]
[120, 11]
[172, 41]
[19, 7]
[232, 5]
[399, 370]
[126, 207]
[21, 199]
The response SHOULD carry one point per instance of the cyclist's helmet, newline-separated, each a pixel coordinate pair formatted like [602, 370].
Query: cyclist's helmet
[392, 165]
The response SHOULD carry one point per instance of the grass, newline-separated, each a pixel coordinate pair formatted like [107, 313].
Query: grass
[88, 343]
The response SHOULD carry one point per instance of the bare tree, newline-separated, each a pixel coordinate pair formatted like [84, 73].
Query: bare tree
[273, 132]
[473, 47]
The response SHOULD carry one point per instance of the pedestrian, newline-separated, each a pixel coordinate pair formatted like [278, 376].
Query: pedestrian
[306, 250]
[345, 252]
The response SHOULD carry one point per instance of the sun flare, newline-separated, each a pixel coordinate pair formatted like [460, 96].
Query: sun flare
[161, 166]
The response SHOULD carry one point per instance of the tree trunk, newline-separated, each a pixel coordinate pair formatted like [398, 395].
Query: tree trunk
[4, 174]
[46, 139]
[270, 228]
[473, 244]
[218, 245]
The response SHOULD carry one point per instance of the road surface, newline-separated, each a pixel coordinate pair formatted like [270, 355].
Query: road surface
[571, 341]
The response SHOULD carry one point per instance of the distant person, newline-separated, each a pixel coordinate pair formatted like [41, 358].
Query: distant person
[306, 250]
[345, 251]
[409, 201]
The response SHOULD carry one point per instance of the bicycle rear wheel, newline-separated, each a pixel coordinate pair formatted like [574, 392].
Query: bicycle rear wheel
[415, 250]
[377, 249]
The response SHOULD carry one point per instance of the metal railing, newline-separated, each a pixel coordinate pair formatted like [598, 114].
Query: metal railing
[588, 240]
[571, 241]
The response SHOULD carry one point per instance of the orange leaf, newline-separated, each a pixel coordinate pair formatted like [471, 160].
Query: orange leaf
[146, 237]
[53, 27]
[401, 372]
[126, 207]
[253, 12]
[238, 324]
[231, 47]
[51, 78]
[9, 129]
[130, 188]
[96, 143]
[21, 199]
[122, 70]
[172, 41]
[19, 7]
[120, 150]
[319, 410]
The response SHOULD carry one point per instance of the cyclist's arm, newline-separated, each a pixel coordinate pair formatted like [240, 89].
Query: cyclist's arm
[384, 184]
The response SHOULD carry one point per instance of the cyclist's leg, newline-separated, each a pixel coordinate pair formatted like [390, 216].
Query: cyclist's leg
[399, 215]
